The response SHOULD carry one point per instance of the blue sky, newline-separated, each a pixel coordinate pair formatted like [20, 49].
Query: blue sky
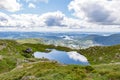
[43, 7]
[60, 15]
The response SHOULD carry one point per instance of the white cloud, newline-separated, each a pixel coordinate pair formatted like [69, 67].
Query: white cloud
[91, 15]
[51, 21]
[26, 20]
[105, 12]
[53, 18]
[10, 5]
[4, 19]
[31, 5]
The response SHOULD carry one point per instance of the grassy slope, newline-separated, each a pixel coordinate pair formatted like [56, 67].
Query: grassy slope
[31, 40]
[54, 71]
[101, 55]
[95, 55]
[11, 53]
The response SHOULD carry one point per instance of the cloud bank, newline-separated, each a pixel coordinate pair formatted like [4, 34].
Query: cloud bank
[32, 20]
[88, 15]
[104, 12]
[51, 20]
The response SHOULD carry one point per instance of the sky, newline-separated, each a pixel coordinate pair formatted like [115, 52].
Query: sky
[60, 15]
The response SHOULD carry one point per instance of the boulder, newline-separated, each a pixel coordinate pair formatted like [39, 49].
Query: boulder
[28, 50]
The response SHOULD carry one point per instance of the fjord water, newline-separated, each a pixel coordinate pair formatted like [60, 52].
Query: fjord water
[63, 57]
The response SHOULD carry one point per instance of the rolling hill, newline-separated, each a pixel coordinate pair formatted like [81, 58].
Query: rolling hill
[15, 64]
[104, 40]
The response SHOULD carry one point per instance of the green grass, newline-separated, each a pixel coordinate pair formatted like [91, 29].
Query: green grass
[16, 65]
[109, 71]
[54, 71]
[101, 54]
[31, 40]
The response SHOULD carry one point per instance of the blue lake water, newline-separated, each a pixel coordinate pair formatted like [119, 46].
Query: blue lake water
[63, 57]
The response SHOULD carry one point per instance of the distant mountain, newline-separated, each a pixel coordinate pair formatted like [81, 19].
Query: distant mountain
[68, 39]
[104, 40]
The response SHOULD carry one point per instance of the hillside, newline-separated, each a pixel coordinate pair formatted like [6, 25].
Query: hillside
[12, 52]
[102, 54]
[104, 40]
[54, 71]
[13, 60]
